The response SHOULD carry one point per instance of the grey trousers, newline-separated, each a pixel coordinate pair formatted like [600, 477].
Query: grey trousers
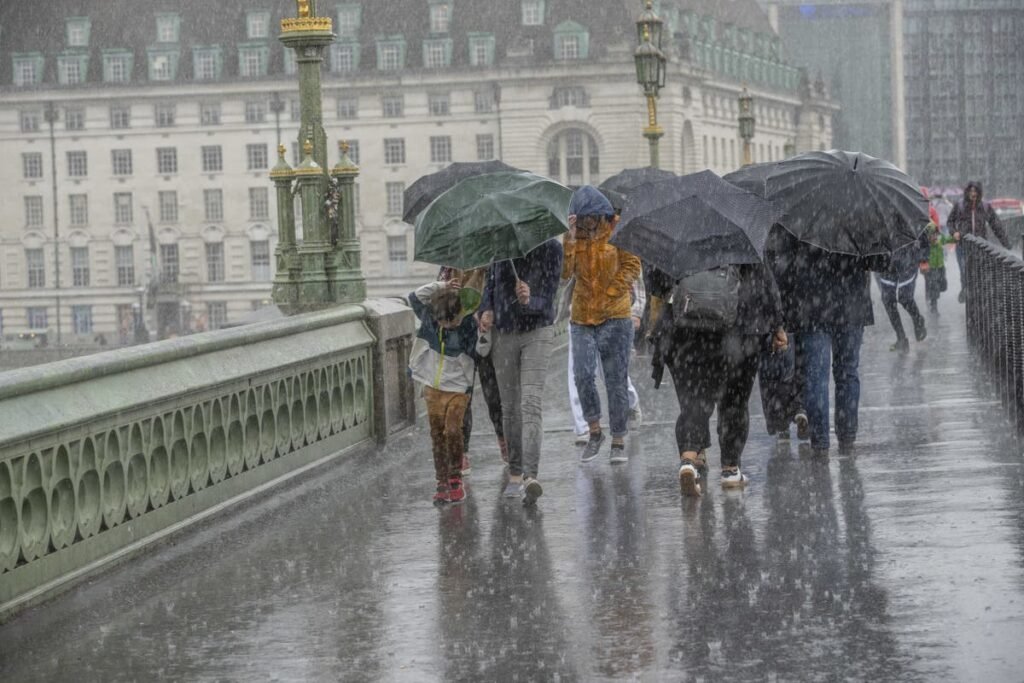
[521, 365]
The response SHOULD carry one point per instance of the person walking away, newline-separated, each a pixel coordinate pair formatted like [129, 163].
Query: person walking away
[712, 347]
[442, 360]
[897, 286]
[519, 304]
[474, 279]
[601, 326]
[972, 216]
[935, 277]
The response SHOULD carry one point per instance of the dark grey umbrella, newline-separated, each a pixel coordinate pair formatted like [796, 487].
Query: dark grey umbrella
[626, 180]
[429, 187]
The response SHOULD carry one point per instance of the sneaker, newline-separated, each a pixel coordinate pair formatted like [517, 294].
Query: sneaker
[920, 333]
[732, 478]
[532, 491]
[689, 478]
[582, 439]
[513, 489]
[803, 426]
[783, 436]
[593, 447]
[963, 296]
[503, 448]
[634, 418]
[618, 454]
[901, 346]
[456, 490]
[443, 495]
[465, 468]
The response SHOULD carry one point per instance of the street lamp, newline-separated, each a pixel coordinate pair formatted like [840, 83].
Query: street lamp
[51, 116]
[277, 106]
[138, 308]
[650, 71]
[185, 325]
[747, 122]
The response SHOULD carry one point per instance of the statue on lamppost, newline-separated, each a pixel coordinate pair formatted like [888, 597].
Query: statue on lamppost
[650, 72]
[747, 123]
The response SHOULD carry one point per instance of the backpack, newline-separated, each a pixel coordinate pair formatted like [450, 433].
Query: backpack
[708, 300]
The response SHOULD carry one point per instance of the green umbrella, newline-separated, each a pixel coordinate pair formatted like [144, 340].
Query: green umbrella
[491, 217]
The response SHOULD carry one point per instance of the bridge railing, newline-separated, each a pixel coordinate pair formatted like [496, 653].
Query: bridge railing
[994, 285]
[105, 454]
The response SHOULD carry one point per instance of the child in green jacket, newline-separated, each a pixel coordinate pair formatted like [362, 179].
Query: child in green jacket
[935, 275]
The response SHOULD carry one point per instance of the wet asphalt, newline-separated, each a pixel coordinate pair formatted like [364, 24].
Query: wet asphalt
[902, 561]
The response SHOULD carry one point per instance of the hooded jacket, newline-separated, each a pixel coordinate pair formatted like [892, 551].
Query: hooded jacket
[604, 277]
[976, 218]
[441, 358]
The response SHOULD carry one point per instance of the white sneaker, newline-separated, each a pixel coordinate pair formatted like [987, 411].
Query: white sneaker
[733, 479]
[582, 439]
[689, 479]
[635, 418]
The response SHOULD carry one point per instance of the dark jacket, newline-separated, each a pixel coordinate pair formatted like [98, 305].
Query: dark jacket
[907, 260]
[976, 218]
[541, 269]
[821, 290]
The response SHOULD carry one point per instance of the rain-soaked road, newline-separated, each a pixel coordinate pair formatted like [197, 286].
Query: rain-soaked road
[902, 562]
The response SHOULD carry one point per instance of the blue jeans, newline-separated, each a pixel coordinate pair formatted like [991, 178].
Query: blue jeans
[843, 346]
[610, 342]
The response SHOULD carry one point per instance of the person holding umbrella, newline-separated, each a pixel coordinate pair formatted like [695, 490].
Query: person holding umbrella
[601, 320]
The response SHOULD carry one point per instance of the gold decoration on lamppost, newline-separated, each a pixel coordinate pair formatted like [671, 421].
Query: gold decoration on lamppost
[650, 72]
[747, 123]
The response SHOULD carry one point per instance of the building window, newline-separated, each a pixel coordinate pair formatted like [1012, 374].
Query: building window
[32, 165]
[571, 41]
[440, 17]
[78, 164]
[348, 108]
[394, 151]
[573, 158]
[33, 211]
[398, 255]
[167, 28]
[483, 101]
[256, 157]
[124, 260]
[162, 66]
[166, 160]
[69, 70]
[395, 202]
[259, 203]
[29, 121]
[78, 209]
[169, 263]
[350, 17]
[209, 114]
[164, 115]
[168, 206]
[393, 106]
[440, 105]
[123, 213]
[437, 54]
[390, 55]
[440, 149]
[259, 252]
[28, 70]
[481, 49]
[216, 314]
[252, 62]
[205, 64]
[255, 112]
[344, 57]
[117, 68]
[74, 119]
[121, 161]
[291, 62]
[77, 30]
[484, 147]
[295, 107]
[213, 160]
[215, 262]
[213, 205]
[80, 266]
[257, 25]
[36, 267]
[533, 12]
[120, 117]
[353, 151]
[571, 96]
[36, 316]
[81, 319]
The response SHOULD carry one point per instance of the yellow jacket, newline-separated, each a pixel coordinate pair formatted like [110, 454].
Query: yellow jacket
[604, 277]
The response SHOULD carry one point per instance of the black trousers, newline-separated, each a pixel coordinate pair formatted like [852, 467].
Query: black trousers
[714, 370]
[902, 296]
[489, 387]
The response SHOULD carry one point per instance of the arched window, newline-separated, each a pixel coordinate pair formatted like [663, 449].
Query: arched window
[573, 158]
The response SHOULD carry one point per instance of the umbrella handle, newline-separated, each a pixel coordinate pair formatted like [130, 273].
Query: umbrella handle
[514, 272]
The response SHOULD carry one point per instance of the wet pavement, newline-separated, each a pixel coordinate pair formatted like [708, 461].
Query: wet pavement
[903, 561]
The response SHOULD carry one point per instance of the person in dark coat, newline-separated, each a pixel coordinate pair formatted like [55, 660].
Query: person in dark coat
[712, 369]
[897, 285]
[972, 216]
[826, 302]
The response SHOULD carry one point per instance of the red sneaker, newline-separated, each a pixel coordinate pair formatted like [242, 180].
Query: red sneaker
[465, 468]
[456, 491]
[443, 494]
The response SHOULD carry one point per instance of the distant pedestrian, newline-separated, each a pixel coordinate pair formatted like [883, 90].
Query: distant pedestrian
[972, 216]
[935, 282]
[519, 304]
[601, 329]
[442, 360]
[897, 286]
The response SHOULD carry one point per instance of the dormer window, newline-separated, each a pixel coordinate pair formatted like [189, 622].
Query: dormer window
[440, 16]
[257, 25]
[77, 30]
[437, 53]
[117, 66]
[167, 28]
[70, 69]
[533, 12]
[350, 18]
[390, 53]
[572, 41]
[481, 49]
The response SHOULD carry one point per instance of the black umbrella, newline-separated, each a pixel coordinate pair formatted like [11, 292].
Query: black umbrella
[429, 187]
[693, 223]
[624, 181]
[842, 202]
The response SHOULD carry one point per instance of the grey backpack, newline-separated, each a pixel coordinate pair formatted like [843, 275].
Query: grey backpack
[708, 300]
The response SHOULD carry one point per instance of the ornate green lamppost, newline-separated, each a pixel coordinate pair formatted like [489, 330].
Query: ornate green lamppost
[650, 72]
[747, 122]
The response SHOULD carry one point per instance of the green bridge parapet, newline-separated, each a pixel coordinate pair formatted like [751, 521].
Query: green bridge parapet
[103, 455]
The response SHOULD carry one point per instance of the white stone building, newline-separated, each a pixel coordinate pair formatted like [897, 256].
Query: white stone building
[179, 115]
